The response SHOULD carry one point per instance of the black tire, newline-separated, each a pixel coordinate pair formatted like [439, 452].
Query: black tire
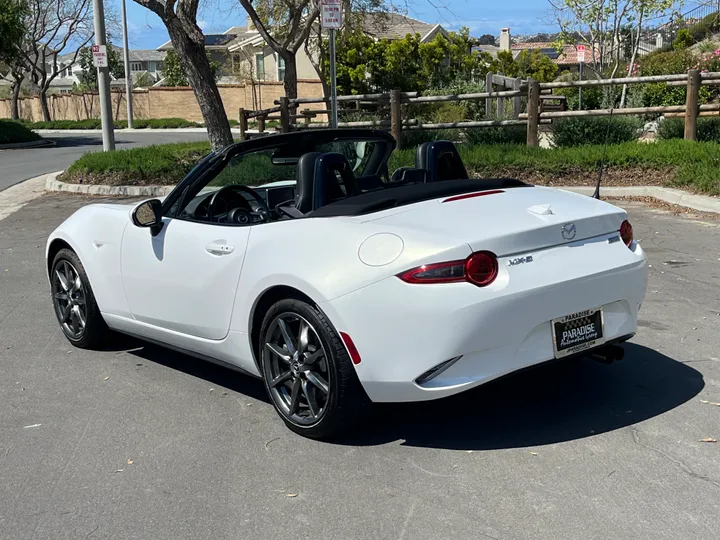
[346, 403]
[95, 332]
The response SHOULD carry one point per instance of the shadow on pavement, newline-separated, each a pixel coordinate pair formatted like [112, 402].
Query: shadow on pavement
[79, 140]
[551, 403]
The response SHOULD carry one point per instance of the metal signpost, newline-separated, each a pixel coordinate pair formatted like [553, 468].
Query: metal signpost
[99, 52]
[128, 71]
[581, 61]
[332, 20]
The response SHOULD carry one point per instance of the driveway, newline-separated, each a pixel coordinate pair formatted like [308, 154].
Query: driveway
[20, 164]
[141, 442]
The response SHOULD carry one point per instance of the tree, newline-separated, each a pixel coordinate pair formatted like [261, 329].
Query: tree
[175, 74]
[486, 39]
[188, 40]
[601, 24]
[12, 30]
[285, 25]
[53, 27]
[88, 76]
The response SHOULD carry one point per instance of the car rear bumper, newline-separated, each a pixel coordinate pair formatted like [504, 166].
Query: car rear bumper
[401, 330]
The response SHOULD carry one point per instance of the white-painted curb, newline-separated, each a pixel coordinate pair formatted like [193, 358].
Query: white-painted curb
[53, 184]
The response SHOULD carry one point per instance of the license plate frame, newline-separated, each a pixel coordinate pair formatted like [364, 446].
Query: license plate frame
[587, 334]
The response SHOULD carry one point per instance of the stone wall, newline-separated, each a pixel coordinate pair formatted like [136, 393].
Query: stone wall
[162, 102]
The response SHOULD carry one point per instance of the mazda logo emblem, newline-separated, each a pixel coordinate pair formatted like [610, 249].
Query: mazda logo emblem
[568, 231]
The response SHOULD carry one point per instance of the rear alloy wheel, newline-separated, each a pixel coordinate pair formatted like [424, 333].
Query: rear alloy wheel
[307, 371]
[74, 302]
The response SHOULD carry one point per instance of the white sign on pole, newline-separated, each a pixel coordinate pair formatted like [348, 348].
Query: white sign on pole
[581, 53]
[332, 14]
[99, 53]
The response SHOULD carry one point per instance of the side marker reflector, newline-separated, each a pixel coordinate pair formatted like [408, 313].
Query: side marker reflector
[352, 350]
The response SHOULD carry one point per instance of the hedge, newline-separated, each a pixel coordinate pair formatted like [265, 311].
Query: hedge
[14, 132]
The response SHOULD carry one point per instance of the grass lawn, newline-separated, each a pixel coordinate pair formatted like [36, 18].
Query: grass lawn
[694, 166]
[13, 132]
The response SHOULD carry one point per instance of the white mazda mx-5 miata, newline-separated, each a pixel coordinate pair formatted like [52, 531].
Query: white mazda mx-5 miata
[340, 284]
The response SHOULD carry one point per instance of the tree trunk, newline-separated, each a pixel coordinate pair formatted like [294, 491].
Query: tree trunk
[197, 67]
[290, 82]
[14, 102]
[44, 105]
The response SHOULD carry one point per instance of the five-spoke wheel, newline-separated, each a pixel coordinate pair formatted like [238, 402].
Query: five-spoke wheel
[74, 302]
[307, 371]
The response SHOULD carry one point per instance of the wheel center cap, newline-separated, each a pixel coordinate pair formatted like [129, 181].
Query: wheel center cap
[296, 367]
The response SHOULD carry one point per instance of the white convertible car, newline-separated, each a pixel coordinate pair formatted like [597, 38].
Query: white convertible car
[340, 283]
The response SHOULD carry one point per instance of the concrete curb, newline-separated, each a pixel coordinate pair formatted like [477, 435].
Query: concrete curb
[53, 184]
[18, 195]
[702, 203]
[31, 144]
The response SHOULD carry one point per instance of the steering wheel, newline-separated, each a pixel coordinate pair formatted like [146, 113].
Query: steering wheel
[241, 216]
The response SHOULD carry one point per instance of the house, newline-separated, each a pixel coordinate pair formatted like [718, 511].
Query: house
[566, 57]
[145, 66]
[244, 55]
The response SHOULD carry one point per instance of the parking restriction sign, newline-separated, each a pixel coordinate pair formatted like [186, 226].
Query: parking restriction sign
[99, 53]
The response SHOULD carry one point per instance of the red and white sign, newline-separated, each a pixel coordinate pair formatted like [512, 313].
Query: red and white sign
[99, 53]
[332, 14]
[581, 53]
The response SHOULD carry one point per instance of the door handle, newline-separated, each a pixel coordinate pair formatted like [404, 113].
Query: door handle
[219, 249]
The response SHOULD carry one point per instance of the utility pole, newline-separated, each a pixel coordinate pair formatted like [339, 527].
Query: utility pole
[128, 71]
[108, 133]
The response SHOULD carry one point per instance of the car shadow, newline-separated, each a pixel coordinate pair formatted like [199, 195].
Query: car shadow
[78, 140]
[551, 403]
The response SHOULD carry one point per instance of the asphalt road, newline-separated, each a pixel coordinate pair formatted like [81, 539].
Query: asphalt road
[20, 164]
[140, 442]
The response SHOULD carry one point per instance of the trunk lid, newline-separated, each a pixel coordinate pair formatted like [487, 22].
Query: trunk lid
[510, 222]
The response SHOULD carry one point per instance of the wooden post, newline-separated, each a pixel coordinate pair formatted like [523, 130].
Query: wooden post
[692, 105]
[488, 101]
[533, 112]
[261, 123]
[285, 114]
[396, 117]
[517, 103]
[242, 119]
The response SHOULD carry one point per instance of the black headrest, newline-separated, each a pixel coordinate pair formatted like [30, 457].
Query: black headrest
[370, 182]
[442, 161]
[306, 182]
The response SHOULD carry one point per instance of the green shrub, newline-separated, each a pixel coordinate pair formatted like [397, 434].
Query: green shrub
[708, 25]
[595, 130]
[94, 123]
[14, 132]
[683, 40]
[496, 135]
[708, 129]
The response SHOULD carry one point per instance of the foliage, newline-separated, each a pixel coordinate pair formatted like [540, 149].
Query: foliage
[707, 26]
[580, 131]
[496, 135]
[683, 40]
[529, 63]
[174, 72]
[12, 29]
[669, 63]
[88, 76]
[14, 132]
[708, 129]
[365, 65]
[486, 39]
[592, 96]
[94, 123]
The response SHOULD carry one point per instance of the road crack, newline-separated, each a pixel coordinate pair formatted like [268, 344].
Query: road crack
[677, 461]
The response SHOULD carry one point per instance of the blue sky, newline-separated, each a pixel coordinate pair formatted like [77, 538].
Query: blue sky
[146, 31]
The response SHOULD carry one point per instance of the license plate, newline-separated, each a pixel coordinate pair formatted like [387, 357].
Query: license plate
[578, 332]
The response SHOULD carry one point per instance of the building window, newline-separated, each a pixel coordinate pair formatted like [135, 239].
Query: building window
[260, 66]
[136, 66]
[280, 68]
[152, 67]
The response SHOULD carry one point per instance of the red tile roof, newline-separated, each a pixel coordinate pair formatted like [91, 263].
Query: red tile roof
[568, 56]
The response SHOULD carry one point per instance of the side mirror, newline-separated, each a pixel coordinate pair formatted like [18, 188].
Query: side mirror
[148, 214]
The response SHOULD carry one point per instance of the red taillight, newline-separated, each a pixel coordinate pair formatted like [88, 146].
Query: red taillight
[480, 269]
[626, 232]
[352, 349]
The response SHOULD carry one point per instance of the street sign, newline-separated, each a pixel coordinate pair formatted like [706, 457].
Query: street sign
[581, 53]
[99, 53]
[332, 14]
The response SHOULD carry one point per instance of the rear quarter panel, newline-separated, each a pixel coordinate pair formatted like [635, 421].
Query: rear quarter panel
[319, 257]
[95, 233]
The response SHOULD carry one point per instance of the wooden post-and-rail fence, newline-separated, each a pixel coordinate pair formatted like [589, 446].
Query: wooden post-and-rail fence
[539, 109]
